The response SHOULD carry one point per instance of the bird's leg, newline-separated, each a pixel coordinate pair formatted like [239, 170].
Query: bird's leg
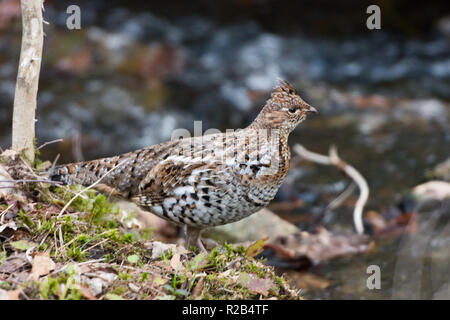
[193, 238]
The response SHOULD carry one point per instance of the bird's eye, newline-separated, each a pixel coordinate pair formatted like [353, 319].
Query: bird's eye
[292, 110]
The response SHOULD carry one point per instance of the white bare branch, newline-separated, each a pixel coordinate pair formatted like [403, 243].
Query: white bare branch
[333, 160]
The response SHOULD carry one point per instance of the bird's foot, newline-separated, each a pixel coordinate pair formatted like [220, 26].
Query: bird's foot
[193, 239]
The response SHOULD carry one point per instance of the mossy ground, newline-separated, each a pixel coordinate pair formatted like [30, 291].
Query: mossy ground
[96, 253]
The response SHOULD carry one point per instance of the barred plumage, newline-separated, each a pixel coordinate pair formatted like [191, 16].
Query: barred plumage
[203, 181]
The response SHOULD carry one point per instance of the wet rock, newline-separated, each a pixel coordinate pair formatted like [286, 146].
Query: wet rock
[325, 245]
[442, 170]
[259, 225]
[428, 110]
[371, 122]
[432, 190]
[159, 248]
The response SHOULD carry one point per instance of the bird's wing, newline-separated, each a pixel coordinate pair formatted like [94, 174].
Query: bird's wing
[164, 179]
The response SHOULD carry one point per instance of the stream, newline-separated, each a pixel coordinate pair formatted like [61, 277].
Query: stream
[130, 77]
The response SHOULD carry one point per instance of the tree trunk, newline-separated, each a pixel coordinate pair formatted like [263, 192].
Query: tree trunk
[28, 78]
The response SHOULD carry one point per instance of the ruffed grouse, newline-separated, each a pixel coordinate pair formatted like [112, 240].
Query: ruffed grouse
[207, 180]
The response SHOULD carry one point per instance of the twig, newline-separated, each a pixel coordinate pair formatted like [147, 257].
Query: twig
[56, 160]
[56, 246]
[89, 187]
[334, 160]
[2, 215]
[95, 245]
[61, 240]
[74, 239]
[77, 264]
[76, 147]
[45, 237]
[341, 198]
[49, 142]
[31, 181]
[336, 202]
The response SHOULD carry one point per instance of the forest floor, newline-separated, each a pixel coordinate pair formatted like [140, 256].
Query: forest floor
[91, 249]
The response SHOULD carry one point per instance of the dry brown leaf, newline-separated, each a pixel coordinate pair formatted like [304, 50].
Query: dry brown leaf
[42, 265]
[175, 262]
[14, 294]
[308, 281]
[256, 247]
[87, 293]
[134, 287]
[324, 245]
[14, 264]
[10, 295]
[198, 287]
[256, 285]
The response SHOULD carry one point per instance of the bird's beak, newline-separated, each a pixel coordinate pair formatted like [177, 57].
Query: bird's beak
[311, 109]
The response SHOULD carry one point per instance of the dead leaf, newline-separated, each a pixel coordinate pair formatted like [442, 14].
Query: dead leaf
[175, 262]
[134, 287]
[324, 245]
[14, 294]
[42, 265]
[198, 287]
[112, 296]
[376, 220]
[10, 295]
[159, 281]
[14, 264]
[256, 247]
[198, 262]
[308, 281]
[87, 293]
[256, 285]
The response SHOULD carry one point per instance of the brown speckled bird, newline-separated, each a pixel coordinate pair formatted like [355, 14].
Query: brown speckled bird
[203, 181]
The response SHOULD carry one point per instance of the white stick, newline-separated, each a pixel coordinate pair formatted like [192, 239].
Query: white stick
[334, 160]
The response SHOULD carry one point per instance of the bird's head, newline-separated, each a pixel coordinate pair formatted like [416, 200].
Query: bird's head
[284, 110]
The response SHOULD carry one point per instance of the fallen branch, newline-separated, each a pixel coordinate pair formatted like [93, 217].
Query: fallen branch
[334, 160]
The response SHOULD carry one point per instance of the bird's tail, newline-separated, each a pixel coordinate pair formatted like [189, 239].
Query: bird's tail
[87, 172]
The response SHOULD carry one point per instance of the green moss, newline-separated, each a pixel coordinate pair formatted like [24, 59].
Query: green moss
[63, 287]
[92, 228]
[25, 218]
[3, 256]
[144, 277]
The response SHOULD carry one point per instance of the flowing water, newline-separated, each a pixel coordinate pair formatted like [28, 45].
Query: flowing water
[128, 78]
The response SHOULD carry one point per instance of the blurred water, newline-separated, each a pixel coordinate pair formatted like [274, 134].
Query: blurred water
[128, 79]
